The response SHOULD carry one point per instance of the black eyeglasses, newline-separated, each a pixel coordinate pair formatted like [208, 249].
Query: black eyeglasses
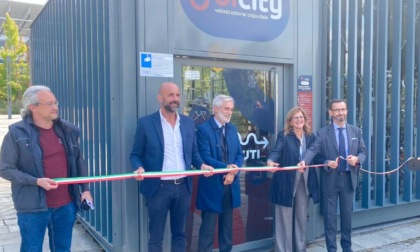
[339, 110]
[48, 104]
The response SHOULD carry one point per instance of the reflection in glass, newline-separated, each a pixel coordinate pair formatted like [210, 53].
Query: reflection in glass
[253, 91]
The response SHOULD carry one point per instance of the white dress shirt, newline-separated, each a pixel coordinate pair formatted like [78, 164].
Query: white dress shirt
[173, 155]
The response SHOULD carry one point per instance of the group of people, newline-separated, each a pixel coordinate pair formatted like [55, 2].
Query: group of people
[43, 146]
[339, 146]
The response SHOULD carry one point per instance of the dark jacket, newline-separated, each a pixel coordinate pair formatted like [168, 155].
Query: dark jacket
[148, 149]
[210, 189]
[326, 146]
[286, 153]
[21, 163]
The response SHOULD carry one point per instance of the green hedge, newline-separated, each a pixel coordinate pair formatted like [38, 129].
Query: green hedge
[16, 106]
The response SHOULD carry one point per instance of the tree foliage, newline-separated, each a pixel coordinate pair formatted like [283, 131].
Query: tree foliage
[15, 52]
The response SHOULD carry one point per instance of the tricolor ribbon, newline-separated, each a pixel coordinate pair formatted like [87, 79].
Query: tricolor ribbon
[412, 162]
[162, 174]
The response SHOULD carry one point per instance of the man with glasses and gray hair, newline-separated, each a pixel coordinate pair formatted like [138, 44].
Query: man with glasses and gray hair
[40, 147]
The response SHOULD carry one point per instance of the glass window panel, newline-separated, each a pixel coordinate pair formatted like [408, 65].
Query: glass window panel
[253, 91]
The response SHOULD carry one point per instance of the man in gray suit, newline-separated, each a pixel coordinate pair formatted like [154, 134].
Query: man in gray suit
[339, 177]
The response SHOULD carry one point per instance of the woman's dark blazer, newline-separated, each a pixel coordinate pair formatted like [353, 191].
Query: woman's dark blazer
[286, 153]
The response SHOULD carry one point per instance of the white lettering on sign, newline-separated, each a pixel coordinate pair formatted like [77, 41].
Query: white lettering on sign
[273, 7]
[253, 154]
[261, 5]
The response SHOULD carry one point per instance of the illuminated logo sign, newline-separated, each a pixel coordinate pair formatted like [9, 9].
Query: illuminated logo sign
[253, 153]
[254, 20]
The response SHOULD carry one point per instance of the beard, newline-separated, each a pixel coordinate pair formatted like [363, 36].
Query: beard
[223, 118]
[339, 119]
[169, 108]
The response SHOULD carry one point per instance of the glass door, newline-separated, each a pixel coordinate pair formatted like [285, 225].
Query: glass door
[255, 93]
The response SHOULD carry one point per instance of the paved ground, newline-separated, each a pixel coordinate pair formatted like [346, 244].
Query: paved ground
[9, 231]
[399, 236]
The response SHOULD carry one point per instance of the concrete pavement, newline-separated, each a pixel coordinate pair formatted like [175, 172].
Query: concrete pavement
[392, 237]
[9, 230]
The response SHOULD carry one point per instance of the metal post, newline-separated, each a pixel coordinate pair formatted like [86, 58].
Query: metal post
[9, 89]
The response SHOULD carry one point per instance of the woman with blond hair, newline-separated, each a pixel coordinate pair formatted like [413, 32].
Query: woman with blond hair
[291, 190]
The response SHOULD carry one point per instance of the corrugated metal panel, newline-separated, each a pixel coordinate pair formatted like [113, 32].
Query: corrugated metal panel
[382, 98]
[395, 98]
[380, 92]
[70, 54]
[367, 101]
[409, 118]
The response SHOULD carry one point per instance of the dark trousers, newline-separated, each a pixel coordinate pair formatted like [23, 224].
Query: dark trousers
[175, 199]
[208, 225]
[343, 191]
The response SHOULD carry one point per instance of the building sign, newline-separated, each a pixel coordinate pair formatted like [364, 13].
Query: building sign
[253, 20]
[192, 75]
[156, 65]
[305, 95]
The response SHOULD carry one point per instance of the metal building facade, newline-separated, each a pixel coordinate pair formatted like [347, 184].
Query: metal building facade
[372, 49]
[367, 52]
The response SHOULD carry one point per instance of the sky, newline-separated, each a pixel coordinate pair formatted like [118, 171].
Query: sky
[31, 1]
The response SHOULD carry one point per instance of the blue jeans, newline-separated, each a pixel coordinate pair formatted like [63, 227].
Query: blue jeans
[174, 199]
[59, 222]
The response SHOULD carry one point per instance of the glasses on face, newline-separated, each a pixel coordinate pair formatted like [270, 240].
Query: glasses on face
[339, 110]
[48, 104]
[297, 117]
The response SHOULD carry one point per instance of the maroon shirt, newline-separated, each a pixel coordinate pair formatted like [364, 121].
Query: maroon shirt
[55, 166]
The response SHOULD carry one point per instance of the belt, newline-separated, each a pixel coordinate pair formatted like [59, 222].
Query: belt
[172, 181]
[344, 173]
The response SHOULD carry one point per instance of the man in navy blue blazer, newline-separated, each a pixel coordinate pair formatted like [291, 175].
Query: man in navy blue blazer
[166, 141]
[339, 179]
[217, 195]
